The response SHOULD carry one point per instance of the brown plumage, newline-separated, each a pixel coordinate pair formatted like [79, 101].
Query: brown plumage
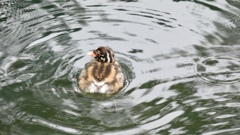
[103, 74]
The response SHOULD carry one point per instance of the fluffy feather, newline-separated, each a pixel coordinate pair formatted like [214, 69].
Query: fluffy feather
[103, 74]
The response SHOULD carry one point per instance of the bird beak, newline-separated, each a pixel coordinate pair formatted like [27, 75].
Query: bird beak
[91, 54]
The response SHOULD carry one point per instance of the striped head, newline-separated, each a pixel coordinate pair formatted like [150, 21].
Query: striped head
[103, 54]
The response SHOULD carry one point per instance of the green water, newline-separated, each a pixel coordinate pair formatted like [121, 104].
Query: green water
[180, 60]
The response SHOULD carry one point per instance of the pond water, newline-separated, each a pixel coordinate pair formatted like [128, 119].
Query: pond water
[180, 58]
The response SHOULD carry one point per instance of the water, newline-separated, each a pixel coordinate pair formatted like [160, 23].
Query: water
[180, 59]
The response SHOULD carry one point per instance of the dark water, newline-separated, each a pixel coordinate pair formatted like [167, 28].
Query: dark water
[181, 60]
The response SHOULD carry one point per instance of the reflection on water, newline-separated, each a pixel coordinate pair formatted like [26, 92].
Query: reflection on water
[180, 59]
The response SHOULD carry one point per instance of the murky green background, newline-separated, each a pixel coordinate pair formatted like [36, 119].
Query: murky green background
[180, 59]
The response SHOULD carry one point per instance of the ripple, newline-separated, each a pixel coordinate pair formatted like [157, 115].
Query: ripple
[56, 126]
[43, 47]
[225, 131]
[219, 69]
[20, 29]
[162, 121]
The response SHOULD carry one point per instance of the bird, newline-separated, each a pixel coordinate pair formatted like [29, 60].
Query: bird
[103, 74]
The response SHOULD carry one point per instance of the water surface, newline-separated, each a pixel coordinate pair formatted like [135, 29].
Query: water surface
[180, 59]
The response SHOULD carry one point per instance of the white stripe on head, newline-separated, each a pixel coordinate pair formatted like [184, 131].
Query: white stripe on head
[112, 56]
[108, 57]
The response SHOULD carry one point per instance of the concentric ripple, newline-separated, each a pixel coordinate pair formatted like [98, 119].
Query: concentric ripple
[219, 69]
[180, 59]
